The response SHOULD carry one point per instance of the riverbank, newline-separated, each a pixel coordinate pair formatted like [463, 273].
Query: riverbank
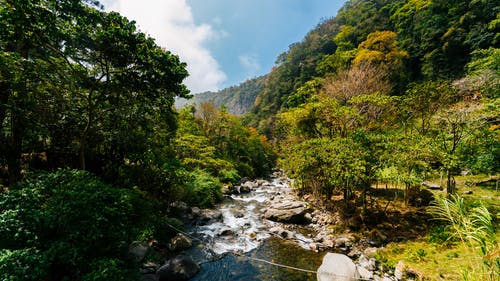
[266, 220]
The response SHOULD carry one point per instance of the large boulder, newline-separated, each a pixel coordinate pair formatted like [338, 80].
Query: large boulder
[139, 250]
[179, 268]
[180, 243]
[288, 212]
[337, 267]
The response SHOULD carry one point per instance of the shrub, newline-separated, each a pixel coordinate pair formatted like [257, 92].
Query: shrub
[203, 190]
[71, 221]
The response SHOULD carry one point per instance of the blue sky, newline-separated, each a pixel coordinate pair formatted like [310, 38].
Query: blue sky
[225, 42]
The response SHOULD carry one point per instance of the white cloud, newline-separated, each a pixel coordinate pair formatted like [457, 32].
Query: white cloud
[171, 23]
[250, 63]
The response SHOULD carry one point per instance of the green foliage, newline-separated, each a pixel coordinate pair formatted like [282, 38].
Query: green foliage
[203, 189]
[23, 264]
[473, 227]
[68, 224]
[82, 86]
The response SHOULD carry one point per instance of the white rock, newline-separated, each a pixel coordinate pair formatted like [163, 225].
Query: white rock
[337, 267]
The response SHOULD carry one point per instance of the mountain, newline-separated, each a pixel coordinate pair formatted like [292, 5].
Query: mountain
[439, 38]
[238, 99]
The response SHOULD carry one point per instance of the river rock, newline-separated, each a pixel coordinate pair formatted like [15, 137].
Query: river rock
[337, 267]
[364, 273]
[400, 270]
[287, 212]
[343, 242]
[226, 231]
[246, 187]
[139, 250]
[206, 216]
[367, 263]
[179, 268]
[180, 242]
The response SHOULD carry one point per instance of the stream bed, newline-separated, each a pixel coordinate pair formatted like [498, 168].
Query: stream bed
[240, 230]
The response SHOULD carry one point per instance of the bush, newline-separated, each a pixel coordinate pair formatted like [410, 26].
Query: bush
[203, 190]
[229, 176]
[71, 220]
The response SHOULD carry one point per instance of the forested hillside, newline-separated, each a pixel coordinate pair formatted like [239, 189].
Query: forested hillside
[394, 94]
[437, 38]
[237, 99]
[387, 90]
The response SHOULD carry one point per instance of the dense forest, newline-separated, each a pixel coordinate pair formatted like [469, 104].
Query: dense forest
[93, 152]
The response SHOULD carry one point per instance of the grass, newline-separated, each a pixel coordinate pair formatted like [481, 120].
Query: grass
[430, 261]
[433, 256]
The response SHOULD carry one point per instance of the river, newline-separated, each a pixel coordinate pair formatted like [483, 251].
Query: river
[237, 245]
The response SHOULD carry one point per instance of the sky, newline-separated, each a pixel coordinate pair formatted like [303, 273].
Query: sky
[225, 42]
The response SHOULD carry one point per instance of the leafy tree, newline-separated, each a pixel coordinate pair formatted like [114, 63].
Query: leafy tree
[84, 88]
[422, 100]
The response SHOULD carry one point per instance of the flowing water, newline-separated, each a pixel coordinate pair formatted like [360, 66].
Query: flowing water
[225, 245]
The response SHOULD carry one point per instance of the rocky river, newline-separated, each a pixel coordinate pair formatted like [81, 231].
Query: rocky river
[263, 231]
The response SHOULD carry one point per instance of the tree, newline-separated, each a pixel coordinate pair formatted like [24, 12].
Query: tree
[82, 83]
[453, 125]
[422, 100]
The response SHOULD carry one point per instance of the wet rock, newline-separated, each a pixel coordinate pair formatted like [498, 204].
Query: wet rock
[195, 211]
[246, 187]
[227, 190]
[261, 182]
[139, 250]
[337, 267]
[287, 212]
[308, 217]
[207, 215]
[149, 268]
[180, 243]
[238, 213]
[314, 247]
[179, 268]
[180, 208]
[226, 231]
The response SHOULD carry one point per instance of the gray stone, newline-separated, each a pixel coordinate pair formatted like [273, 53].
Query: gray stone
[179, 268]
[365, 273]
[207, 215]
[400, 271]
[337, 267]
[180, 243]
[368, 263]
[226, 231]
[287, 212]
[431, 185]
[139, 250]
[343, 242]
